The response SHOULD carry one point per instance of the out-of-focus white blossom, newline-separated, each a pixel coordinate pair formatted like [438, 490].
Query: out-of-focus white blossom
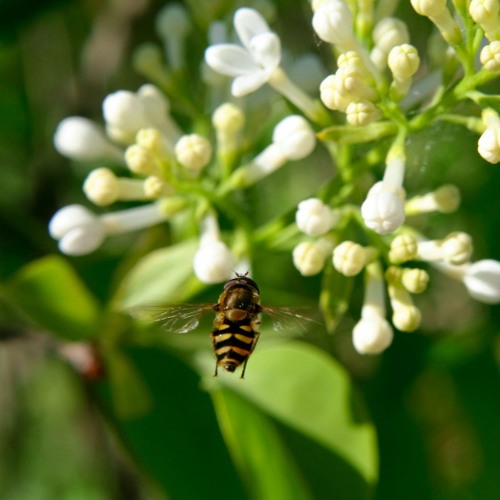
[82, 140]
[314, 218]
[80, 231]
[456, 249]
[214, 261]
[173, 24]
[445, 199]
[103, 187]
[482, 279]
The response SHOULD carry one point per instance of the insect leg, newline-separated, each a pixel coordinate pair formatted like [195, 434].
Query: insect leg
[257, 335]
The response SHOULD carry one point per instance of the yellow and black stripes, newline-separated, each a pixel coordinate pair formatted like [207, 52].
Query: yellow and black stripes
[233, 343]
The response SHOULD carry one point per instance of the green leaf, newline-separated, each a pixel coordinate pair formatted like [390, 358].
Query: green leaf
[160, 277]
[130, 395]
[50, 292]
[307, 390]
[258, 451]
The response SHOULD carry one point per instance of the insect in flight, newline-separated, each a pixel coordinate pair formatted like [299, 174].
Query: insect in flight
[237, 318]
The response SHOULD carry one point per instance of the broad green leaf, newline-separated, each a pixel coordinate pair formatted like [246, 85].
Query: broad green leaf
[50, 292]
[307, 390]
[177, 443]
[130, 395]
[160, 277]
[264, 462]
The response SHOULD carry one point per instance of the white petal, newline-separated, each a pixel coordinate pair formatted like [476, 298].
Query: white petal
[249, 23]
[230, 60]
[266, 50]
[482, 280]
[245, 84]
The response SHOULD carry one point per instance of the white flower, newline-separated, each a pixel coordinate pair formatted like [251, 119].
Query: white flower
[80, 231]
[126, 113]
[293, 139]
[81, 139]
[309, 257]
[333, 23]
[213, 262]
[444, 199]
[314, 218]
[485, 13]
[253, 64]
[193, 151]
[455, 249]
[482, 279]
[383, 209]
[173, 25]
[372, 334]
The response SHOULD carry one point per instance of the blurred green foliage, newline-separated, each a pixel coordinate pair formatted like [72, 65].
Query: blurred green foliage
[143, 417]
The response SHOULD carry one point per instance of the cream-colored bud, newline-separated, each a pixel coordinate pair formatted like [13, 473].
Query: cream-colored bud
[101, 187]
[457, 248]
[193, 152]
[155, 187]
[331, 96]
[403, 248]
[490, 56]
[403, 61]
[228, 119]
[140, 161]
[362, 113]
[407, 319]
[415, 280]
[309, 257]
[349, 258]
[152, 140]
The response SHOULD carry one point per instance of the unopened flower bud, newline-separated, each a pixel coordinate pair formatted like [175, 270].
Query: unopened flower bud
[445, 199]
[349, 258]
[361, 113]
[193, 152]
[403, 248]
[415, 280]
[490, 56]
[314, 218]
[309, 257]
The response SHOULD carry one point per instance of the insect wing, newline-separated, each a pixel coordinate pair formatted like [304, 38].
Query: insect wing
[287, 319]
[180, 318]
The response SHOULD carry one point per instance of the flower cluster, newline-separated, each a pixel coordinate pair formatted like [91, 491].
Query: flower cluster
[377, 96]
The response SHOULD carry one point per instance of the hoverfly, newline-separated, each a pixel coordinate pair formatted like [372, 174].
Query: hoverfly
[237, 318]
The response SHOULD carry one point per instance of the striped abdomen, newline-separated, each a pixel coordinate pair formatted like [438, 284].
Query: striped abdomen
[233, 343]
